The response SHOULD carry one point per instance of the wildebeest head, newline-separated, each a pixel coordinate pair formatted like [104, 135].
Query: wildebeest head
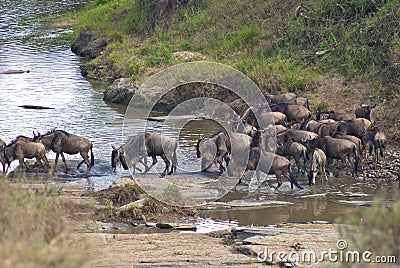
[118, 157]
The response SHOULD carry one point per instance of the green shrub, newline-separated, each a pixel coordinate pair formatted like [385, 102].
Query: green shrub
[375, 229]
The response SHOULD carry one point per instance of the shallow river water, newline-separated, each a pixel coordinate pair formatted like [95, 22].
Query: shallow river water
[55, 81]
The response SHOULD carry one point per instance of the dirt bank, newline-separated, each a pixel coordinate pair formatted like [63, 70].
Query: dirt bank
[237, 247]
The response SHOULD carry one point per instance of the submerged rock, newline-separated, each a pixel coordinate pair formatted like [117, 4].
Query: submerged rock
[120, 91]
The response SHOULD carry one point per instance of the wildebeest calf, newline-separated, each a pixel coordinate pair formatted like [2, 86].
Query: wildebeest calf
[317, 160]
[26, 149]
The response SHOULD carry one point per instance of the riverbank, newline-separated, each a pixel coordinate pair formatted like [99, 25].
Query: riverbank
[109, 245]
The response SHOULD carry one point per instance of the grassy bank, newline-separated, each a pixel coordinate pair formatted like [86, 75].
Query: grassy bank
[282, 45]
[34, 229]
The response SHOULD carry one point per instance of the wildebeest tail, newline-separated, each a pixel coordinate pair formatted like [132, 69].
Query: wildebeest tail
[91, 155]
[294, 180]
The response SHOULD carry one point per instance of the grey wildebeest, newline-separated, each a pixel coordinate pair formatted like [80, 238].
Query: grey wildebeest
[336, 149]
[267, 162]
[219, 146]
[293, 112]
[296, 150]
[366, 111]
[60, 142]
[145, 144]
[25, 149]
[317, 159]
[377, 140]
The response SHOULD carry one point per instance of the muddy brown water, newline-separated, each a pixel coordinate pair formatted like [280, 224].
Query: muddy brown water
[55, 81]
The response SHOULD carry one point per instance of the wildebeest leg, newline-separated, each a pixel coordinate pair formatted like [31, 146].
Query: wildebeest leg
[85, 157]
[152, 164]
[165, 158]
[65, 163]
[279, 179]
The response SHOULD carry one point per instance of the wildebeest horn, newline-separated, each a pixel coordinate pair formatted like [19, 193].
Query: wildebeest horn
[112, 145]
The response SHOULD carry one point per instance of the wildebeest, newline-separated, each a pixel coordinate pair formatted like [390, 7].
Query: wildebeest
[297, 135]
[145, 144]
[267, 162]
[336, 149]
[317, 160]
[262, 118]
[293, 112]
[60, 142]
[327, 129]
[245, 128]
[216, 148]
[296, 150]
[356, 127]
[313, 125]
[25, 149]
[280, 98]
[353, 139]
[377, 140]
[340, 115]
[2, 157]
[367, 112]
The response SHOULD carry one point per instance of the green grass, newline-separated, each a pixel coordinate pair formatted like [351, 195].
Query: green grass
[376, 229]
[264, 39]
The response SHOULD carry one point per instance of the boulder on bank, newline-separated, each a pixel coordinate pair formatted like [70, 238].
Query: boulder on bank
[88, 45]
[120, 91]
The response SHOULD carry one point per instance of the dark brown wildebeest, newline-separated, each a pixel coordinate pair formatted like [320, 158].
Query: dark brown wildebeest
[118, 158]
[353, 139]
[366, 111]
[217, 148]
[377, 140]
[293, 112]
[296, 150]
[261, 118]
[336, 149]
[339, 116]
[60, 142]
[317, 159]
[145, 144]
[25, 149]
[267, 162]
[356, 127]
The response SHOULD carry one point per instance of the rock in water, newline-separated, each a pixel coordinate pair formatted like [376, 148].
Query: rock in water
[120, 91]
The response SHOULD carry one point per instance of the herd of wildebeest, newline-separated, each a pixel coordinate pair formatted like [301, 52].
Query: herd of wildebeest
[264, 139]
